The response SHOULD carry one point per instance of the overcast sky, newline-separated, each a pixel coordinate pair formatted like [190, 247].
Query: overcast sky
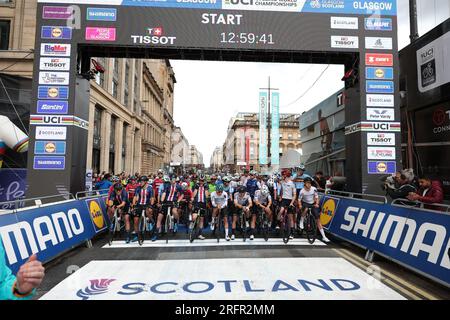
[208, 94]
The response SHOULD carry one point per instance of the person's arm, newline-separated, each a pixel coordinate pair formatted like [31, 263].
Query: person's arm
[250, 202]
[8, 282]
[437, 196]
[213, 200]
[225, 202]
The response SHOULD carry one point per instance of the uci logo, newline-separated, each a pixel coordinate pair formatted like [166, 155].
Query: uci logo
[328, 211]
[96, 215]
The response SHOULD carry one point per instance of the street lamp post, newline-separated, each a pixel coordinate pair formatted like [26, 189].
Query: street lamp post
[269, 123]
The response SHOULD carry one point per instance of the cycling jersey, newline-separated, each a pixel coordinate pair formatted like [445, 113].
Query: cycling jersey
[300, 184]
[308, 196]
[200, 197]
[144, 195]
[211, 188]
[172, 192]
[252, 186]
[187, 194]
[161, 188]
[156, 184]
[242, 200]
[118, 198]
[229, 190]
[131, 189]
[264, 200]
[219, 200]
[288, 190]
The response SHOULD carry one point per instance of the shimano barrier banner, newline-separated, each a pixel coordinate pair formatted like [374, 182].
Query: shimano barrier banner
[49, 230]
[415, 238]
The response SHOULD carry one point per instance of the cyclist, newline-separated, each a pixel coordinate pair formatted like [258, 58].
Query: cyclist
[200, 196]
[187, 199]
[117, 199]
[219, 202]
[242, 204]
[309, 198]
[158, 182]
[131, 187]
[288, 196]
[165, 184]
[263, 203]
[170, 195]
[252, 184]
[229, 189]
[143, 200]
[299, 177]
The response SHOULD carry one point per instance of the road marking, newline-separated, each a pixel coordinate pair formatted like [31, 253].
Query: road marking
[399, 283]
[232, 279]
[212, 243]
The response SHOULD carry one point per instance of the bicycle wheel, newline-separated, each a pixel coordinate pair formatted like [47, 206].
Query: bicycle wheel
[142, 229]
[193, 233]
[311, 228]
[286, 228]
[112, 230]
[167, 225]
[265, 228]
[243, 227]
[217, 227]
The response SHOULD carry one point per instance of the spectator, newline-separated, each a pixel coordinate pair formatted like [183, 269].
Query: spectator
[401, 189]
[29, 277]
[430, 192]
[104, 184]
[320, 180]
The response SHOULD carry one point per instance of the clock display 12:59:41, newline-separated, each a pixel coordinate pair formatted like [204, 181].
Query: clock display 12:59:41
[246, 38]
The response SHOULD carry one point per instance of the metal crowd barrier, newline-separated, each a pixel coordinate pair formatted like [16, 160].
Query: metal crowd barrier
[359, 196]
[24, 203]
[421, 205]
[91, 194]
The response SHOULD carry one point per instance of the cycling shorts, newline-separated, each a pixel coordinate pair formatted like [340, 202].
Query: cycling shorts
[199, 208]
[138, 210]
[285, 203]
[239, 211]
[315, 211]
[165, 205]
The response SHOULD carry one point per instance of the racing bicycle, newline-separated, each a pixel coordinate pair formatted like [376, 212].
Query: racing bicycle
[263, 223]
[285, 224]
[115, 227]
[194, 228]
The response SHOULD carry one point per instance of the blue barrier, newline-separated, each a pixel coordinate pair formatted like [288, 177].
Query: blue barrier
[415, 238]
[50, 230]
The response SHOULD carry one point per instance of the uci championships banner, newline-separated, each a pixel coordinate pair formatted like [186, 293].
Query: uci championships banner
[418, 239]
[50, 230]
[386, 7]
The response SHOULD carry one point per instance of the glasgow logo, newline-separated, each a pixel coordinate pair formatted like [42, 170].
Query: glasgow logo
[97, 287]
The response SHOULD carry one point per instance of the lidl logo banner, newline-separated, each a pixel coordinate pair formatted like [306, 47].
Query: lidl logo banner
[97, 215]
[329, 207]
[381, 73]
[55, 33]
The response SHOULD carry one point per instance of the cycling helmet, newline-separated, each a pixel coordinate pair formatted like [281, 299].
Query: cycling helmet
[226, 179]
[219, 188]
[177, 179]
[301, 167]
[264, 190]
[307, 179]
[115, 179]
[201, 177]
[160, 171]
[270, 183]
[143, 179]
[150, 181]
[166, 179]
[237, 177]
[242, 189]
[184, 186]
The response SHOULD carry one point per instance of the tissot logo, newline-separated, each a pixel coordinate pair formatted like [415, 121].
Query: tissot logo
[344, 42]
[155, 36]
[380, 139]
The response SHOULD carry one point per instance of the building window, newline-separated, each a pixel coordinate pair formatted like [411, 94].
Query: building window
[124, 145]
[100, 77]
[115, 88]
[290, 136]
[127, 84]
[281, 136]
[5, 28]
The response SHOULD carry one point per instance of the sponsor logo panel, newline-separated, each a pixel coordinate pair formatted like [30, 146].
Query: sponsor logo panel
[57, 13]
[273, 5]
[56, 33]
[373, 127]
[49, 163]
[51, 133]
[379, 86]
[380, 100]
[382, 167]
[54, 78]
[350, 23]
[380, 73]
[55, 49]
[100, 34]
[50, 148]
[52, 107]
[380, 60]
[51, 119]
[380, 153]
[344, 42]
[96, 213]
[154, 36]
[380, 139]
[54, 64]
[101, 14]
[378, 43]
[328, 211]
[380, 114]
[378, 24]
[48, 92]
